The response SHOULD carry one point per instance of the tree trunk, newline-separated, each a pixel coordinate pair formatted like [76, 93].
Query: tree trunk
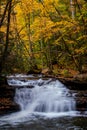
[73, 8]
[5, 52]
[4, 13]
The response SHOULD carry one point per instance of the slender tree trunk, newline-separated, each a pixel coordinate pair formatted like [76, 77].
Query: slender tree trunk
[49, 57]
[5, 52]
[30, 42]
[4, 13]
[28, 19]
[73, 8]
[41, 49]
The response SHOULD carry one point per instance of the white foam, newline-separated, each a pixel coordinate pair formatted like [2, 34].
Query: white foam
[50, 97]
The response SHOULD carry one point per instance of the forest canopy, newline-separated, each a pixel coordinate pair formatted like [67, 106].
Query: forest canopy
[36, 34]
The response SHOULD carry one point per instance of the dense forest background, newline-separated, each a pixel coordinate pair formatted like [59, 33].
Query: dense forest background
[38, 34]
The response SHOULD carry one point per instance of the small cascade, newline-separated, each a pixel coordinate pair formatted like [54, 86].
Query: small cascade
[47, 96]
[45, 104]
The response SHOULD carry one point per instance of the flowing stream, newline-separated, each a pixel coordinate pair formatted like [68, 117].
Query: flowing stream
[46, 104]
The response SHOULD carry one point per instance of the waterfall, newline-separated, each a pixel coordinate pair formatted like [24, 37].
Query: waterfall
[45, 104]
[46, 96]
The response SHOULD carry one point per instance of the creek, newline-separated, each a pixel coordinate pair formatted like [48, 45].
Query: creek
[45, 104]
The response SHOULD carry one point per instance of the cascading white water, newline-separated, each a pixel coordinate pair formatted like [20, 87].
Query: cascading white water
[46, 96]
[45, 104]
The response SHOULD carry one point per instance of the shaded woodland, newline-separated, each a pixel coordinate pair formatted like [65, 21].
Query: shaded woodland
[38, 34]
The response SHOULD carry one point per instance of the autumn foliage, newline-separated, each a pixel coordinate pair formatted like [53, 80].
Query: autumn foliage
[44, 33]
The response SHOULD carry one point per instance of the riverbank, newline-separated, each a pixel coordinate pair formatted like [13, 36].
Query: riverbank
[70, 78]
[73, 82]
[7, 104]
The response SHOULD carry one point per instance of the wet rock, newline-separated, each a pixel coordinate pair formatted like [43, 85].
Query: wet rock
[7, 104]
[20, 87]
[81, 104]
[40, 84]
[81, 99]
[74, 84]
[71, 83]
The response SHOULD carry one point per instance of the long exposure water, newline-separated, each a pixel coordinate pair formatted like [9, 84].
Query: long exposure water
[46, 104]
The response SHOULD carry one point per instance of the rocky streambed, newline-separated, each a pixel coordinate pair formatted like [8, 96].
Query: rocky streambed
[77, 90]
